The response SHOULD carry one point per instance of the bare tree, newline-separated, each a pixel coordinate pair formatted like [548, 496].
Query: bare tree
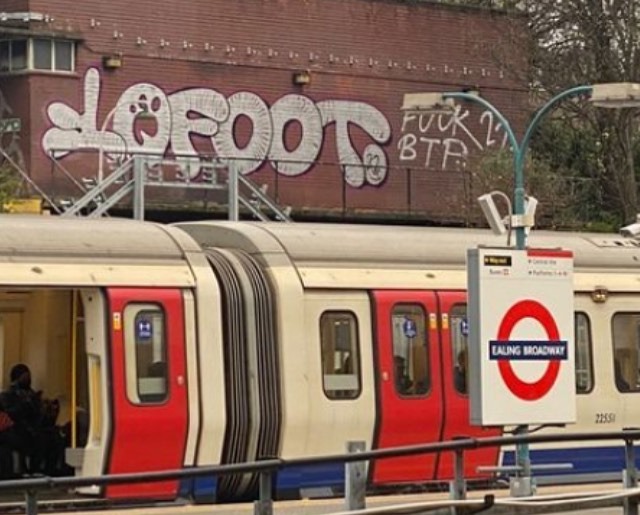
[574, 42]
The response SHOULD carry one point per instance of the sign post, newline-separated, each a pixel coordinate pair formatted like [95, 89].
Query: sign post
[521, 339]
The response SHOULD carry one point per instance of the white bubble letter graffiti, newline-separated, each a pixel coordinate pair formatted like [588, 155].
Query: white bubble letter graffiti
[295, 108]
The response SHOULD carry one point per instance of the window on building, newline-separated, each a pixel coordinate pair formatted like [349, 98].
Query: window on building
[5, 56]
[410, 350]
[63, 53]
[626, 347]
[340, 355]
[145, 353]
[584, 354]
[43, 54]
[37, 54]
[19, 57]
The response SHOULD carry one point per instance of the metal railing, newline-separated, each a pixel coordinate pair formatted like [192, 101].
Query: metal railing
[414, 192]
[355, 479]
[135, 173]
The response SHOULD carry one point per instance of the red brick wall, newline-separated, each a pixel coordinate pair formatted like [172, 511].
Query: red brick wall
[216, 56]
[10, 6]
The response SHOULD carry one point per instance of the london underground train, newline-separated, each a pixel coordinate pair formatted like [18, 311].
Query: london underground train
[205, 343]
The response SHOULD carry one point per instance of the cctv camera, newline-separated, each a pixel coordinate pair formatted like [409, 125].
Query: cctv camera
[491, 214]
[530, 206]
[630, 231]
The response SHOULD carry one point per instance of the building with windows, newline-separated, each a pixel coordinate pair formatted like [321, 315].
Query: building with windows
[37, 54]
[301, 99]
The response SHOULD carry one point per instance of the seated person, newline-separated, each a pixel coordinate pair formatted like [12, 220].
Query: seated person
[403, 381]
[8, 444]
[34, 433]
[157, 369]
[460, 372]
[621, 383]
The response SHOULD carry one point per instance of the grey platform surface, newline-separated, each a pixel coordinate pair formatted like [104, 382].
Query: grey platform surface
[602, 499]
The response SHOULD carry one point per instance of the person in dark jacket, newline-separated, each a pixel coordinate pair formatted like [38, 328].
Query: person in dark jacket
[20, 401]
[460, 372]
[34, 434]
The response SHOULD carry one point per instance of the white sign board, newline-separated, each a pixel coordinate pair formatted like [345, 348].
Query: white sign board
[521, 344]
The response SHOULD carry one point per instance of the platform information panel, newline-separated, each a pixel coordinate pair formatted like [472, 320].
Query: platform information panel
[521, 342]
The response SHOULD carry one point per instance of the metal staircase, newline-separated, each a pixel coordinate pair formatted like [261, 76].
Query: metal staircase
[137, 173]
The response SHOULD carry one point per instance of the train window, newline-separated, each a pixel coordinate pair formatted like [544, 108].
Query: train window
[460, 347]
[410, 350]
[145, 353]
[626, 342]
[340, 355]
[584, 354]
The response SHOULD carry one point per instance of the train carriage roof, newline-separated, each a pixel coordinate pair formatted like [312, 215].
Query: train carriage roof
[345, 255]
[56, 250]
[340, 244]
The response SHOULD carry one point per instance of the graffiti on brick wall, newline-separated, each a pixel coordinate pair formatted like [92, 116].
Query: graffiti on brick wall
[181, 116]
[443, 141]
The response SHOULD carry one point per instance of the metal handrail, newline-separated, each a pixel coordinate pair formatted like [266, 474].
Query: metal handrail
[266, 467]
[262, 197]
[99, 190]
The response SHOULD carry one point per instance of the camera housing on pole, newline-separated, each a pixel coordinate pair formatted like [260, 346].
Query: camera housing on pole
[631, 230]
[491, 214]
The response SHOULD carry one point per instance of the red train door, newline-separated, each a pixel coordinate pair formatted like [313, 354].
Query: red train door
[454, 330]
[410, 408]
[149, 390]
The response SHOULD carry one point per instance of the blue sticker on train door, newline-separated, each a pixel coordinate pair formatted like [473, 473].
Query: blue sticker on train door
[409, 328]
[144, 330]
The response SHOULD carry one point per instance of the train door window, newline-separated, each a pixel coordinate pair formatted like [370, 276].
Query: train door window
[145, 353]
[626, 342]
[584, 354]
[340, 355]
[460, 347]
[410, 350]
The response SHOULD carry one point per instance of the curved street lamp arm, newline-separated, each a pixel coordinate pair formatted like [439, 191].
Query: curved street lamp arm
[518, 204]
[485, 103]
[540, 113]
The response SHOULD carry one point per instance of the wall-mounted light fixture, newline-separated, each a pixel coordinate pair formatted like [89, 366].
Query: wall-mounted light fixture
[301, 78]
[111, 62]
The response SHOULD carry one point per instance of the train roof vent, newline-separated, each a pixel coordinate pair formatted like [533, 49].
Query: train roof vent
[608, 241]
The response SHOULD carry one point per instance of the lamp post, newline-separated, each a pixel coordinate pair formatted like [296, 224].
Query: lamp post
[613, 95]
[617, 95]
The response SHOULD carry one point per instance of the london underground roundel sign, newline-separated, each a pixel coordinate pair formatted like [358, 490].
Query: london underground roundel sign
[554, 349]
[520, 313]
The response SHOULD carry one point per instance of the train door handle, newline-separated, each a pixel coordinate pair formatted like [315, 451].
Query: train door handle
[180, 380]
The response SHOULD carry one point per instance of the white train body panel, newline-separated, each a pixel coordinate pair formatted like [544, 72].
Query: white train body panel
[331, 424]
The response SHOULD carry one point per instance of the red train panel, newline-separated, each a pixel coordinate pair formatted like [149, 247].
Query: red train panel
[408, 413]
[456, 420]
[149, 416]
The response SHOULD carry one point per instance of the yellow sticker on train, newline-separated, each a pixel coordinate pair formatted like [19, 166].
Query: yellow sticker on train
[117, 321]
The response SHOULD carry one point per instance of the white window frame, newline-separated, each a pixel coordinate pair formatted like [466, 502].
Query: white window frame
[30, 58]
[139, 386]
